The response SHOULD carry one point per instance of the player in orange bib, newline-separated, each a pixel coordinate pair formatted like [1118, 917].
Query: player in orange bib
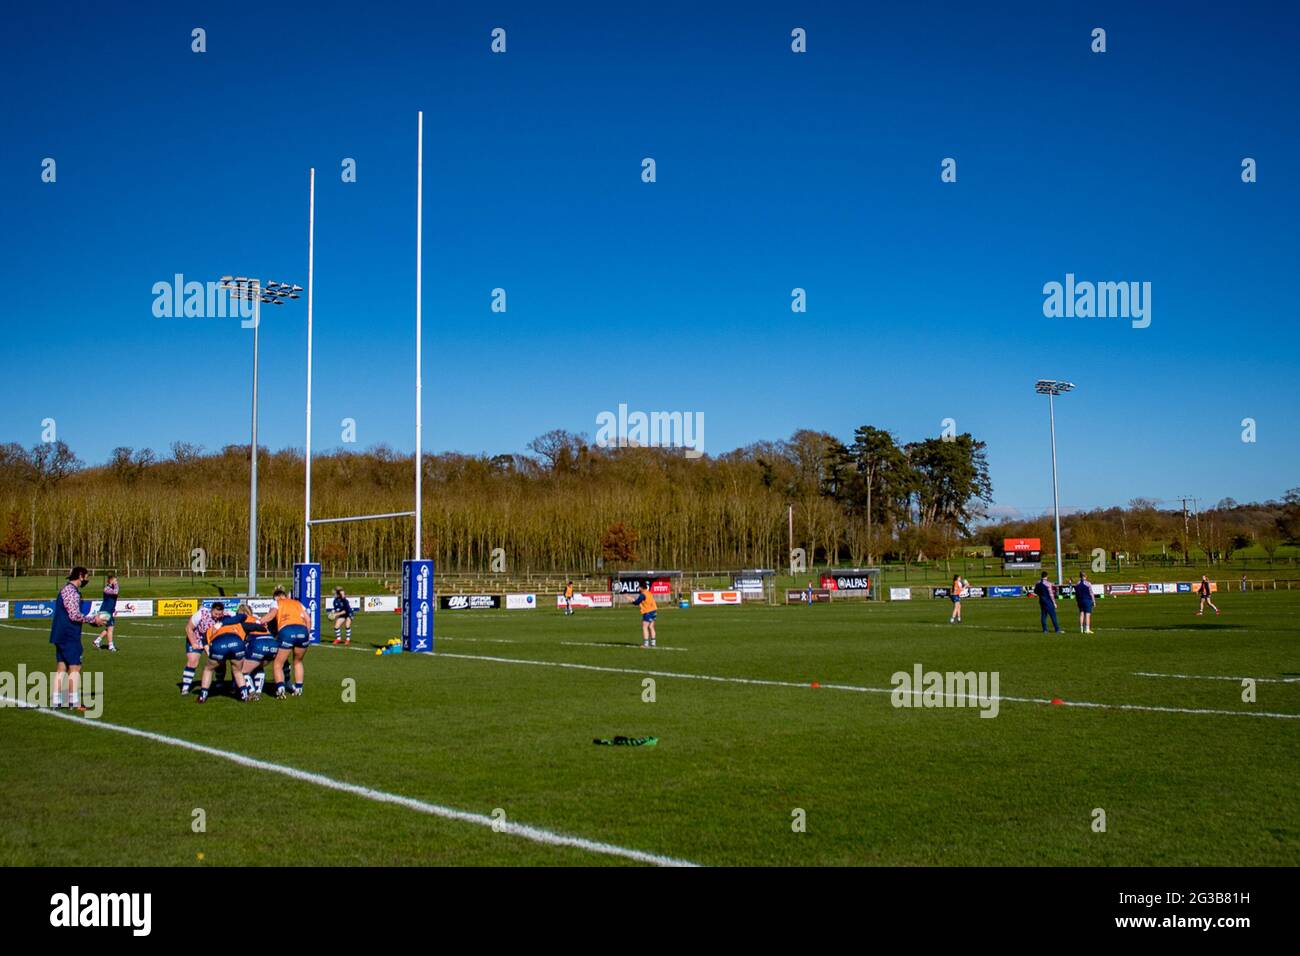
[291, 625]
[648, 611]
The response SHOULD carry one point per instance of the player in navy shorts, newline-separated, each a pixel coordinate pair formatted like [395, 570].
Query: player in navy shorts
[259, 649]
[225, 642]
[291, 625]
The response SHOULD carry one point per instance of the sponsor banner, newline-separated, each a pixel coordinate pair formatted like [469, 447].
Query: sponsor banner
[4, 609]
[126, 608]
[630, 586]
[381, 602]
[469, 602]
[256, 605]
[1139, 589]
[1119, 589]
[1155, 589]
[1006, 590]
[521, 602]
[900, 594]
[849, 584]
[970, 592]
[748, 585]
[177, 607]
[587, 599]
[800, 596]
[715, 597]
[30, 609]
[1184, 587]
[353, 602]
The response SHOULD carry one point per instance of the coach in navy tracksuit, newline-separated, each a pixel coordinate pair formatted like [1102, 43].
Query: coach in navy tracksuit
[65, 635]
[1046, 603]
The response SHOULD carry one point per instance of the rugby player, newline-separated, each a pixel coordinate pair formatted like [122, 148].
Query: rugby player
[291, 625]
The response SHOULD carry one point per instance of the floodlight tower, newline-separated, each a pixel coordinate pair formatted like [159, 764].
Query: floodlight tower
[1051, 388]
[257, 292]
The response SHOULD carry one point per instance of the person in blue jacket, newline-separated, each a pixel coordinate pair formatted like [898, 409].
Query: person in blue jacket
[1084, 598]
[1046, 603]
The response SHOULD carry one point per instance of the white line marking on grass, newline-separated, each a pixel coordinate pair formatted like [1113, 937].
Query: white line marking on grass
[1258, 680]
[614, 644]
[864, 690]
[535, 834]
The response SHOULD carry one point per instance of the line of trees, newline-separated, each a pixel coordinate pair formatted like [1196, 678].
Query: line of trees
[1143, 527]
[567, 505]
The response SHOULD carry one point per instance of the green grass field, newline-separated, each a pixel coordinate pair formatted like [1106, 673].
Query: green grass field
[503, 717]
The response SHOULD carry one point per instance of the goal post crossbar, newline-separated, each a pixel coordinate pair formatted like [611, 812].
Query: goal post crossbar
[391, 514]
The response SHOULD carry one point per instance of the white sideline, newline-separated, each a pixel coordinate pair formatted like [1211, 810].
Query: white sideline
[867, 690]
[535, 834]
[1238, 680]
[612, 644]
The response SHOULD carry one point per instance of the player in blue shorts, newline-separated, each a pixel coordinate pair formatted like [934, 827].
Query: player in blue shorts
[109, 606]
[260, 649]
[225, 643]
[1084, 597]
[196, 636]
[65, 635]
[649, 610]
[342, 615]
[291, 625]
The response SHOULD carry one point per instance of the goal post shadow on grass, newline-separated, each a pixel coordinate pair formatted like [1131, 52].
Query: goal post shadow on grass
[417, 572]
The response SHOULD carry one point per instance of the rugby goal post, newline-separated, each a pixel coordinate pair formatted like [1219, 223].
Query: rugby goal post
[417, 573]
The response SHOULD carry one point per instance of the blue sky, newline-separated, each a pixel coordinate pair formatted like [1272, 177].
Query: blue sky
[775, 171]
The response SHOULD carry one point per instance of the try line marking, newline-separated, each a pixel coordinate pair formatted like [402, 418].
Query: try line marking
[1238, 680]
[535, 834]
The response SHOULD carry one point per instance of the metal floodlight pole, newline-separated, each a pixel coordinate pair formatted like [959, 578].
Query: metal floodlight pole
[419, 325]
[311, 263]
[1051, 388]
[252, 481]
[244, 289]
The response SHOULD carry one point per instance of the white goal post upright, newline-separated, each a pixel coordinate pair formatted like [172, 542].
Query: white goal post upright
[419, 323]
[311, 262]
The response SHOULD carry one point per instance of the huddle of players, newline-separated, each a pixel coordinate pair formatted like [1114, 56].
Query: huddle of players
[246, 642]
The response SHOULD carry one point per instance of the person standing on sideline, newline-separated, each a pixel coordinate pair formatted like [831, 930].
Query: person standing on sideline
[568, 598]
[808, 594]
[1243, 584]
[109, 607]
[1083, 595]
[65, 635]
[955, 594]
[1203, 589]
[1046, 603]
[649, 609]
